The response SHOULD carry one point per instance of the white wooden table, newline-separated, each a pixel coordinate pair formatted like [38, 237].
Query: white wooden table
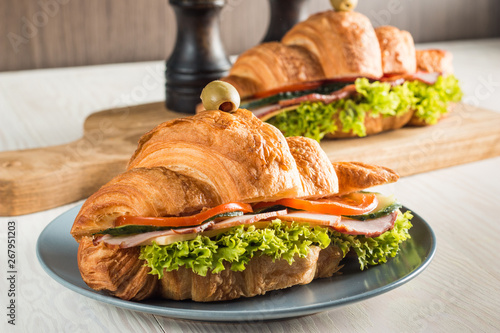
[458, 292]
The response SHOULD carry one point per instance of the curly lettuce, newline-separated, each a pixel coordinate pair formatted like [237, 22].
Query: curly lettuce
[316, 119]
[376, 250]
[312, 120]
[237, 246]
[279, 241]
[432, 100]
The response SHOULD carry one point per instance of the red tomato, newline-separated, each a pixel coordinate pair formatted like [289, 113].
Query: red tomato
[183, 221]
[350, 204]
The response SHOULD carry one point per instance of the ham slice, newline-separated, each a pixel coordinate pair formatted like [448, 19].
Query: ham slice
[368, 228]
[425, 77]
[428, 78]
[174, 235]
[262, 111]
[327, 99]
[138, 239]
[133, 240]
[346, 92]
[247, 219]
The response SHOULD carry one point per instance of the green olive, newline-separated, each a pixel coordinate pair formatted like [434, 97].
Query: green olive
[344, 5]
[220, 95]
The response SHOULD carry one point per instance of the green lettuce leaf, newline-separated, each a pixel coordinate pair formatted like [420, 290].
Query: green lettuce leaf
[379, 99]
[376, 250]
[237, 246]
[316, 119]
[312, 120]
[432, 100]
[279, 241]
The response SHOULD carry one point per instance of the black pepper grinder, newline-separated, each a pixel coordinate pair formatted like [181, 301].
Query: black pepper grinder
[198, 56]
[284, 15]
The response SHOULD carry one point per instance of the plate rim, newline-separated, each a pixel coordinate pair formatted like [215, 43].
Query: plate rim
[229, 316]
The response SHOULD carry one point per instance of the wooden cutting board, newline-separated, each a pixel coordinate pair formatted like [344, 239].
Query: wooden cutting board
[38, 179]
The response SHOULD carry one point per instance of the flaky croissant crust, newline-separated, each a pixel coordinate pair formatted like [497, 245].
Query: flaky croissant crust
[344, 42]
[120, 272]
[205, 160]
[327, 45]
[239, 156]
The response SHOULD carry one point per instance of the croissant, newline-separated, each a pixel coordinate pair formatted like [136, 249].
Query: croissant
[189, 165]
[271, 65]
[340, 47]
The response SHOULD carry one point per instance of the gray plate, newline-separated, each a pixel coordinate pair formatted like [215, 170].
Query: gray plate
[57, 250]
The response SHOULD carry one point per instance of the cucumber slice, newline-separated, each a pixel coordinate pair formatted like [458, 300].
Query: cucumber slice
[386, 205]
[270, 209]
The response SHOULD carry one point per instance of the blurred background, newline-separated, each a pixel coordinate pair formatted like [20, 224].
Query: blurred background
[61, 33]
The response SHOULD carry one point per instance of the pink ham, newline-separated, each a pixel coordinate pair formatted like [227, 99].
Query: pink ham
[327, 99]
[346, 92]
[133, 240]
[264, 110]
[427, 78]
[191, 230]
[185, 233]
[247, 219]
[368, 228]
[138, 239]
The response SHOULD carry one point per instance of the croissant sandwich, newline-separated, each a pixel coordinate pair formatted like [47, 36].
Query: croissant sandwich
[334, 75]
[220, 205]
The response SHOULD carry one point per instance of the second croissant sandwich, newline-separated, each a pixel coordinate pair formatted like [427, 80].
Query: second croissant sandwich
[334, 75]
[220, 205]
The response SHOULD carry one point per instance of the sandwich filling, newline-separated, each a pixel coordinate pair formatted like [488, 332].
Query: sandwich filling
[369, 224]
[311, 109]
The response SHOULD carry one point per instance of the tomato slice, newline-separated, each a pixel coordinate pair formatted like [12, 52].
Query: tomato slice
[292, 87]
[183, 221]
[350, 204]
